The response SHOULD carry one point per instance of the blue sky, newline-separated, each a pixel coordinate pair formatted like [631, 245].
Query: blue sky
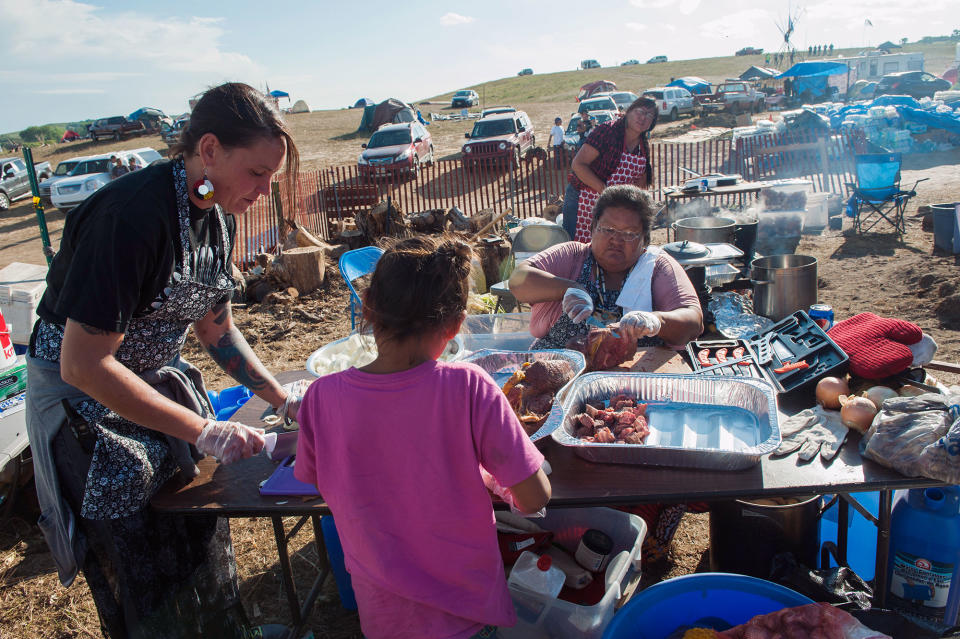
[68, 60]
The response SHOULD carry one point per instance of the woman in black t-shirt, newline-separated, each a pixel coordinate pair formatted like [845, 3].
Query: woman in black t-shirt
[113, 410]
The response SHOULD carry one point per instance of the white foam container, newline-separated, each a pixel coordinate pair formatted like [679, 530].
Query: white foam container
[541, 617]
[21, 287]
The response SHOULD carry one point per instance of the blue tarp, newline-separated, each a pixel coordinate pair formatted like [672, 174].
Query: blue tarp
[279, 94]
[907, 108]
[895, 100]
[811, 69]
[815, 86]
[696, 86]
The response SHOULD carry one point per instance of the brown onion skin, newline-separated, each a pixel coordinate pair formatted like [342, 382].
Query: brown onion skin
[829, 390]
[858, 413]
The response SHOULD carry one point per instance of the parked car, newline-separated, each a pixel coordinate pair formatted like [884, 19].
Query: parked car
[503, 137]
[735, 97]
[589, 64]
[496, 109]
[89, 175]
[15, 180]
[465, 98]
[396, 148]
[657, 58]
[116, 127]
[623, 98]
[671, 101]
[64, 169]
[918, 84]
[629, 63]
[527, 71]
[571, 139]
[171, 132]
[749, 51]
[603, 103]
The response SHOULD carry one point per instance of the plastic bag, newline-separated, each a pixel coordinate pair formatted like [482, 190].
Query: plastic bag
[913, 436]
[839, 586]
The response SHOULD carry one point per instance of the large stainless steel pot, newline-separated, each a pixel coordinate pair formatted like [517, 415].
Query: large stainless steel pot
[783, 284]
[705, 230]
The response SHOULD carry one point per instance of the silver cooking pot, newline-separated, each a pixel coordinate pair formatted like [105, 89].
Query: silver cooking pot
[705, 230]
[783, 284]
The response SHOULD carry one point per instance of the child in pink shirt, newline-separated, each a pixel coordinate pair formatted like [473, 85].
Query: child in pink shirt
[396, 449]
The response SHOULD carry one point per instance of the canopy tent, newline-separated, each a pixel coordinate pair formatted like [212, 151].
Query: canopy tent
[695, 85]
[390, 110]
[759, 73]
[279, 94]
[813, 69]
[362, 103]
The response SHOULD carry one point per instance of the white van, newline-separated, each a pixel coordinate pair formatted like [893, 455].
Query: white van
[671, 101]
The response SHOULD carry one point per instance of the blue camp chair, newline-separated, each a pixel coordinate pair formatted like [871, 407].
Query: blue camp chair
[354, 264]
[877, 195]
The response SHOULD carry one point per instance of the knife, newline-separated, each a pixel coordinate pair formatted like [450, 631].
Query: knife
[593, 321]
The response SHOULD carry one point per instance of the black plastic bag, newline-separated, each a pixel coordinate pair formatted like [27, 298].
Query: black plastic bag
[839, 586]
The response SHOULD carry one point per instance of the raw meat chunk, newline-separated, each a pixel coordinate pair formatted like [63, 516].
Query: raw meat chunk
[602, 350]
[539, 404]
[545, 376]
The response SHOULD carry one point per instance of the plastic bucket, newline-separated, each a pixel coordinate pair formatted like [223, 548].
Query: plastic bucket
[745, 535]
[714, 600]
[944, 223]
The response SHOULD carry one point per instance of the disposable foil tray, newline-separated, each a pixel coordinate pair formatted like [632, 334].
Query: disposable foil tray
[502, 364]
[695, 421]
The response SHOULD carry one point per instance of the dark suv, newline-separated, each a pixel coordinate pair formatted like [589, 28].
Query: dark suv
[500, 138]
[116, 127]
[918, 84]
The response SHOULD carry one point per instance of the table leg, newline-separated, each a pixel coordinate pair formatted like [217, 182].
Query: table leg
[285, 569]
[883, 549]
[843, 520]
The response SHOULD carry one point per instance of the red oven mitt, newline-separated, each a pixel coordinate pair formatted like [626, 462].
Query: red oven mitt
[876, 346]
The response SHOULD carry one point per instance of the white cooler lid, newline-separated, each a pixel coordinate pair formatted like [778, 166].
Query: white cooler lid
[22, 282]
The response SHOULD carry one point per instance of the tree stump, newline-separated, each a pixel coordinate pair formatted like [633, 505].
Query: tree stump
[304, 268]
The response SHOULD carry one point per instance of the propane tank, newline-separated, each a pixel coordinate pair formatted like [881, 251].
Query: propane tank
[923, 574]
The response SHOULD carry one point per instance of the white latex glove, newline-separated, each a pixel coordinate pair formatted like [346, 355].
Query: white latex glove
[577, 304]
[291, 405]
[637, 324]
[812, 430]
[229, 441]
[923, 351]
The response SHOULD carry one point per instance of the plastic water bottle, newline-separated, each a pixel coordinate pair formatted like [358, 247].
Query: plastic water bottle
[537, 574]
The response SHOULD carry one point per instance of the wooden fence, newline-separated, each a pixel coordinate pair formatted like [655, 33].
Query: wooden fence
[339, 192]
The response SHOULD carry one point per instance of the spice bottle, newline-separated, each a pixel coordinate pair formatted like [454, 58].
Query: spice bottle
[594, 550]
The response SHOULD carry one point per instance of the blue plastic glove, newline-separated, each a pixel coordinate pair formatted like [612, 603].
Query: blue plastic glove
[577, 304]
[637, 324]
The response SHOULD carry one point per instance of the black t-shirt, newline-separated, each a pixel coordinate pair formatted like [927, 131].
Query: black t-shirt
[119, 249]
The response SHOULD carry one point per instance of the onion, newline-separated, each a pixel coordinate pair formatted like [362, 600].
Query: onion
[877, 394]
[829, 390]
[911, 391]
[857, 413]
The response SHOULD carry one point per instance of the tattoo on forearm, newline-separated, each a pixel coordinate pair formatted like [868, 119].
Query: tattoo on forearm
[220, 313]
[235, 356]
[93, 330]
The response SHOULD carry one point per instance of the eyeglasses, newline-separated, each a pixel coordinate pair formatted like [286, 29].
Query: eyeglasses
[624, 236]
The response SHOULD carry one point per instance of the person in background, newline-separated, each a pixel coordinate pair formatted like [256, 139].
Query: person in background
[118, 168]
[404, 449]
[114, 412]
[556, 142]
[132, 164]
[616, 152]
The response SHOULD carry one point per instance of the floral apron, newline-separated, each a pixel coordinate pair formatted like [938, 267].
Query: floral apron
[631, 168]
[151, 574]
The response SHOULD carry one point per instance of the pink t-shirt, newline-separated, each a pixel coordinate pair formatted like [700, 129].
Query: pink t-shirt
[397, 459]
[670, 286]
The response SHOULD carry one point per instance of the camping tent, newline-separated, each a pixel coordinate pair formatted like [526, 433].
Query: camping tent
[595, 87]
[758, 73]
[696, 86]
[888, 46]
[299, 107]
[70, 136]
[362, 103]
[390, 110]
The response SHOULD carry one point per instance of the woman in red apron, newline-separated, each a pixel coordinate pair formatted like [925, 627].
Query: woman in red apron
[614, 153]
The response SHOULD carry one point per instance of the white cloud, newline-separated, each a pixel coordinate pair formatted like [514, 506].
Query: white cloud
[741, 25]
[686, 7]
[636, 26]
[452, 19]
[66, 29]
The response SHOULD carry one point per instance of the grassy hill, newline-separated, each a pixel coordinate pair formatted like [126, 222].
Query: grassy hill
[561, 86]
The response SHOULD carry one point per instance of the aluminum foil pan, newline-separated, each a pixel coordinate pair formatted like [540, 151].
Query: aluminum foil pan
[695, 421]
[502, 364]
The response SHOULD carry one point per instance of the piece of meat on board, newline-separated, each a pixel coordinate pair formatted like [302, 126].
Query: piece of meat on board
[602, 350]
[547, 375]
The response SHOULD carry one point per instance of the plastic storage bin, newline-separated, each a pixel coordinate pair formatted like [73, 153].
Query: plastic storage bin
[497, 331]
[542, 618]
[21, 287]
[815, 218]
[718, 600]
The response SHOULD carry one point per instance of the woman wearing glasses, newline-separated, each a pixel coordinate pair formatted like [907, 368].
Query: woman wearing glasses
[617, 277]
[614, 153]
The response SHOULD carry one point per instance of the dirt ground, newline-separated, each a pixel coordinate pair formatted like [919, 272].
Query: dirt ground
[876, 272]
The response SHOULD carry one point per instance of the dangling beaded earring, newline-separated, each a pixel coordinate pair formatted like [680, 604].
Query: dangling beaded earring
[203, 188]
